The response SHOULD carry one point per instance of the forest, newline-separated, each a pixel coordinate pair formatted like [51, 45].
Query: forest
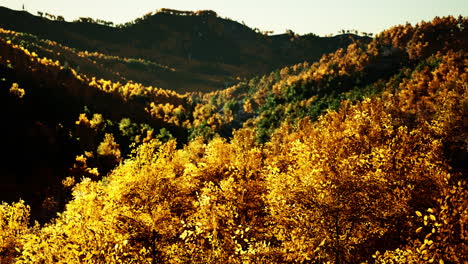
[354, 156]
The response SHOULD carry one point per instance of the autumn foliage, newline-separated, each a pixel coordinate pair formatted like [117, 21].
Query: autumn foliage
[378, 180]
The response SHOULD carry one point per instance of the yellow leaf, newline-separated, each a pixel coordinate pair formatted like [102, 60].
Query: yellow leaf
[322, 243]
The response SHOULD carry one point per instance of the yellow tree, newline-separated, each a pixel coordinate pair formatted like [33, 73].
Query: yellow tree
[349, 183]
[14, 220]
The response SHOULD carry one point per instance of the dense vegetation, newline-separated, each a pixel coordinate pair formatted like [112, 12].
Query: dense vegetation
[356, 158]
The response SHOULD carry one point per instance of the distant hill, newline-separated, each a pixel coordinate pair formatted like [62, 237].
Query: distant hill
[176, 50]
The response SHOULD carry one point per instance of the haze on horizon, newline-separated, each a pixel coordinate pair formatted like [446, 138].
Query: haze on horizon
[301, 16]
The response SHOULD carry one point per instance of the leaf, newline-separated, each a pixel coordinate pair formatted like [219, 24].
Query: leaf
[322, 243]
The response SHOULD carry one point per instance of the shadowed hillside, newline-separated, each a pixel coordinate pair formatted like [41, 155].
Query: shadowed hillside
[176, 51]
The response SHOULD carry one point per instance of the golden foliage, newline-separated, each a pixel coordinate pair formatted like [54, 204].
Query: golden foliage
[375, 176]
[441, 235]
[16, 91]
[14, 221]
[109, 148]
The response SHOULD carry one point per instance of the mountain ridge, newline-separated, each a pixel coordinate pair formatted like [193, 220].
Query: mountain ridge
[199, 48]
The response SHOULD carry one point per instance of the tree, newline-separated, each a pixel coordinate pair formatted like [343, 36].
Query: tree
[14, 221]
[109, 152]
[328, 182]
[16, 91]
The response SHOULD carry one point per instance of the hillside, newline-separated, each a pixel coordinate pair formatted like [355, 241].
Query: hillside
[358, 157]
[184, 53]
[309, 90]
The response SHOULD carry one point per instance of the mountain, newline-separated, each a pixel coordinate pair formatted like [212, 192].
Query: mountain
[358, 157]
[176, 50]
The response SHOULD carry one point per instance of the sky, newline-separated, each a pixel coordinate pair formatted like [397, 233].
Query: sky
[301, 16]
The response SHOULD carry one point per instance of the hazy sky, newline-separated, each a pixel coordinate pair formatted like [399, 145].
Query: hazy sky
[302, 16]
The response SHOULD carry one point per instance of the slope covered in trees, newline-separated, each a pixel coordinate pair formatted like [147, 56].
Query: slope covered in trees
[176, 50]
[357, 158]
[56, 114]
[355, 72]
